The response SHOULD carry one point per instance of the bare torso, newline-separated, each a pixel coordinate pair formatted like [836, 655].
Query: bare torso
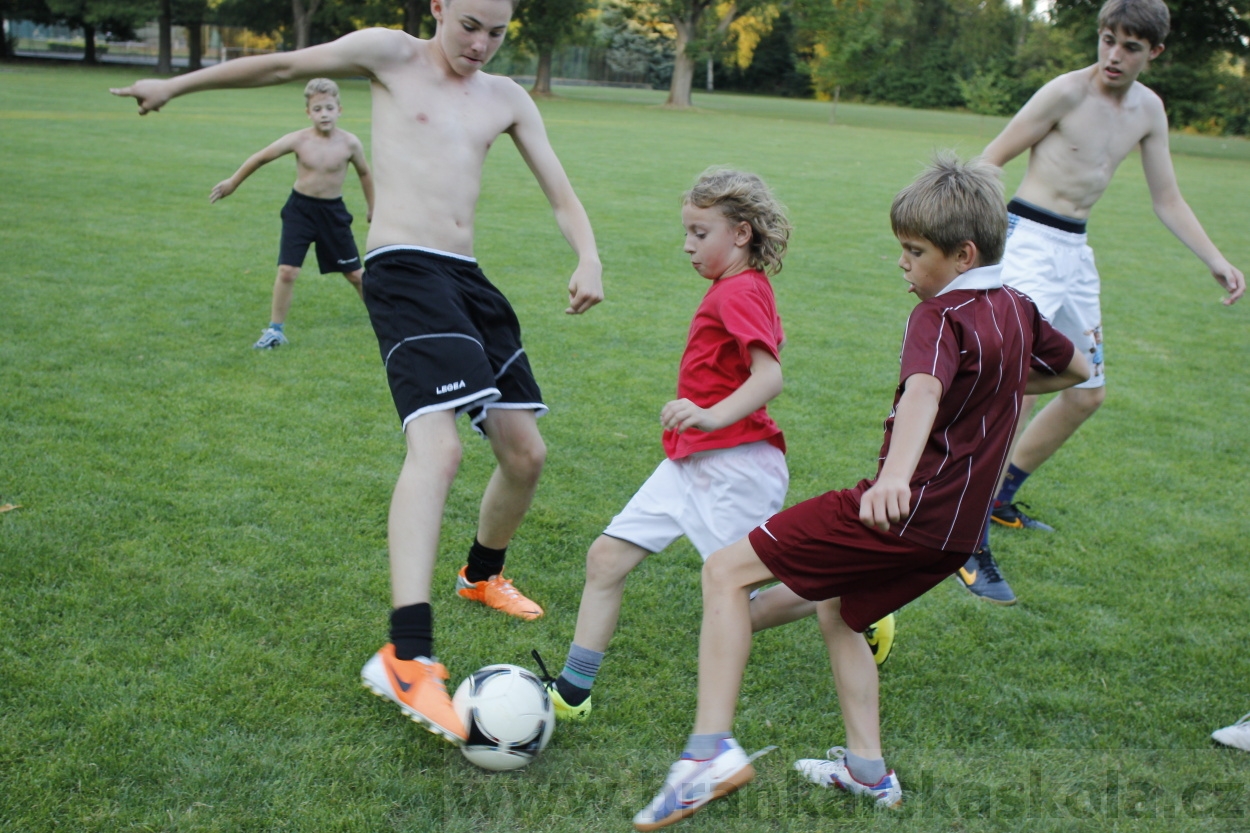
[431, 132]
[321, 162]
[1072, 165]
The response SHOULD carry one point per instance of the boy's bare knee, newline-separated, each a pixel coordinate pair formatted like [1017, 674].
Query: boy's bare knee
[608, 561]
[524, 459]
[717, 573]
[1085, 400]
[288, 274]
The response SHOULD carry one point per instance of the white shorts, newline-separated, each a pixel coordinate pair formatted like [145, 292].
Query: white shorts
[1056, 269]
[714, 498]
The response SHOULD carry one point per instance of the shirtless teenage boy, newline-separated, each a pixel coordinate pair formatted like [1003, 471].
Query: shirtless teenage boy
[434, 118]
[1078, 128]
[315, 211]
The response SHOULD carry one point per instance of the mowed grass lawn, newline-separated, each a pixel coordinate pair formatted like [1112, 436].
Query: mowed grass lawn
[197, 569]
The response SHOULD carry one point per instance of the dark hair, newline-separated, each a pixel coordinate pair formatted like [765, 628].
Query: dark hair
[1147, 19]
[952, 202]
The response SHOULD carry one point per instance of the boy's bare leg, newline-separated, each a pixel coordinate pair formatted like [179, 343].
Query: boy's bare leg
[416, 514]
[521, 452]
[608, 562]
[729, 575]
[855, 677]
[1052, 427]
[283, 291]
[354, 279]
[778, 605]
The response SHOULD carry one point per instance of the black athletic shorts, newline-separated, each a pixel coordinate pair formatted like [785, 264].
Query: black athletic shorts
[307, 220]
[449, 339]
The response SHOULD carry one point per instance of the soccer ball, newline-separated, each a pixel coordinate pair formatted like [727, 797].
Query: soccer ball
[508, 715]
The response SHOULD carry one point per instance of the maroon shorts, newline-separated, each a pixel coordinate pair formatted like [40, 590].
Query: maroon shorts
[820, 550]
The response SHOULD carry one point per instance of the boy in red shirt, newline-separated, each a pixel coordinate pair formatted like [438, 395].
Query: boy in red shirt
[972, 349]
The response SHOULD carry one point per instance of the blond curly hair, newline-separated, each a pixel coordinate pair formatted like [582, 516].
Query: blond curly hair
[745, 198]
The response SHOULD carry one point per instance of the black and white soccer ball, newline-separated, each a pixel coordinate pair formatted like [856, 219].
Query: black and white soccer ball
[508, 715]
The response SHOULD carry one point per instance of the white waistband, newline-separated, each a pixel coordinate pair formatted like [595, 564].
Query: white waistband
[399, 247]
[1068, 238]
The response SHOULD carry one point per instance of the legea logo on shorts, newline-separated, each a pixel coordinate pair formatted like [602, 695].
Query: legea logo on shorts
[454, 386]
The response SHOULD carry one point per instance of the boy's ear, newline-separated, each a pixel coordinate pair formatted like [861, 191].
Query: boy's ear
[967, 256]
[1157, 50]
[742, 234]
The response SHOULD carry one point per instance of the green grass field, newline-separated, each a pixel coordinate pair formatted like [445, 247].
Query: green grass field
[197, 569]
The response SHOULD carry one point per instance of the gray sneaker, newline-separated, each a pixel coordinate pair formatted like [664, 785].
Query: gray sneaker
[269, 339]
[981, 576]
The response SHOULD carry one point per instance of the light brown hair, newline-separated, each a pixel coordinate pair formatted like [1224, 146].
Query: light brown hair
[745, 198]
[1147, 19]
[951, 202]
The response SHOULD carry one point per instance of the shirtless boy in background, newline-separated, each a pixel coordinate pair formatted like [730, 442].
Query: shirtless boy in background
[1078, 128]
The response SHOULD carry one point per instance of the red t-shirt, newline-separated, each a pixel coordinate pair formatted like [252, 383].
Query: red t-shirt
[979, 338]
[737, 313]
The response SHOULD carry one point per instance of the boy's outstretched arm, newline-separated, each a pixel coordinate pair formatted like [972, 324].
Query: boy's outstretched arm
[1031, 123]
[1076, 372]
[357, 53]
[1175, 213]
[888, 500]
[278, 149]
[757, 391]
[586, 285]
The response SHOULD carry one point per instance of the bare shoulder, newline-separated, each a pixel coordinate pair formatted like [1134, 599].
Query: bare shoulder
[350, 137]
[298, 137]
[1148, 98]
[1071, 88]
[381, 45]
[506, 90]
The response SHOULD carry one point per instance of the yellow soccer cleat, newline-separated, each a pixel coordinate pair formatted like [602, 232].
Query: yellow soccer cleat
[880, 638]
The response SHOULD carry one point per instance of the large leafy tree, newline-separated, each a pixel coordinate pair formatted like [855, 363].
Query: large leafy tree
[1190, 75]
[36, 10]
[192, 14]
[1200, 28]
[699, 25]
[117, 18]
[544, 25]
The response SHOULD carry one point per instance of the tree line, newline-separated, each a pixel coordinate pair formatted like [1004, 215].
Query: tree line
[986, 56]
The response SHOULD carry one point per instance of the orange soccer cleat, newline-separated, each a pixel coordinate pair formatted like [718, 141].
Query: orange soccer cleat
[497, 592]
[416, 686]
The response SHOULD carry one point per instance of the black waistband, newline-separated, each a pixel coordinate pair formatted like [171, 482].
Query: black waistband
[1047, 218]
[327, 200]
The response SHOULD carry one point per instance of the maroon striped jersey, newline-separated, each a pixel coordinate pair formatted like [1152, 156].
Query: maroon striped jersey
[979, 339]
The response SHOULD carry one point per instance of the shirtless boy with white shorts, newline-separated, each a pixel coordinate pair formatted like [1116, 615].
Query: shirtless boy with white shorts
[1078, 128]
[434, 118]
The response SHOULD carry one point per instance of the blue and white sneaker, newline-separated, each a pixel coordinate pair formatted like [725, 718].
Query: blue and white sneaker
[888, 792]
[692, 784]
[1236, 736]
[269, 339]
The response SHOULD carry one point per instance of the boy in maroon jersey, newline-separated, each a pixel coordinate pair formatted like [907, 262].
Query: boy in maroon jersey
[971, 351]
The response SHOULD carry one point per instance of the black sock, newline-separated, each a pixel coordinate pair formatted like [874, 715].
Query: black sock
[484, 562]
[412, 631]
[572, 694]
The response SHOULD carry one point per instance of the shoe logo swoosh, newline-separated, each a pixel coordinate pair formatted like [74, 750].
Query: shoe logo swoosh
[969, 578]
[403, 686]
